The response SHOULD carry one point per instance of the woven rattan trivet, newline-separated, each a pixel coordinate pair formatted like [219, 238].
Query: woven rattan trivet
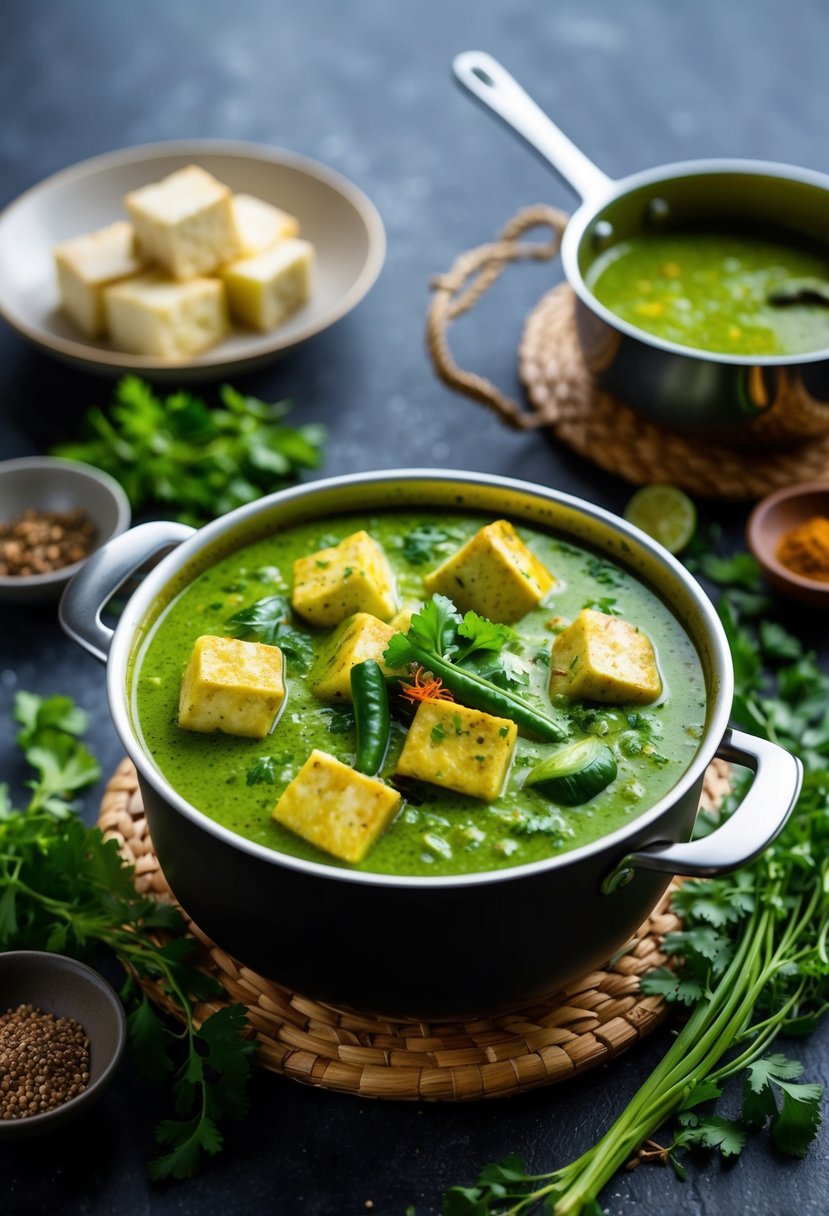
[587, 1024]
[787, 444]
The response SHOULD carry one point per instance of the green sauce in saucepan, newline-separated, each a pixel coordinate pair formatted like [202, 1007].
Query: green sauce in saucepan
[436, 831]
[735, 293]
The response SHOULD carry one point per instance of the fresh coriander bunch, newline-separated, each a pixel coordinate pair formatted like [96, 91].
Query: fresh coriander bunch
[203, 461]
[64, 888]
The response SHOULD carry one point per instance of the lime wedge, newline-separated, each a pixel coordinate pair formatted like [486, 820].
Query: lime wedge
[665, 513]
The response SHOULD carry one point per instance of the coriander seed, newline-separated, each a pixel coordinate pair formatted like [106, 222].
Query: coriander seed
[44, 1061]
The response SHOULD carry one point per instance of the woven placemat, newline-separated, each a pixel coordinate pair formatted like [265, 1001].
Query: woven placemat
[587, 1024]
[598, 426]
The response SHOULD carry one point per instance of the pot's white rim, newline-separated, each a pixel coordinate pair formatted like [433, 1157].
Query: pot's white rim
[141, 602]
[592, 208]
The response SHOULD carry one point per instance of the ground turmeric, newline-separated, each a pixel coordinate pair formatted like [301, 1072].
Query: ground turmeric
[805, 549]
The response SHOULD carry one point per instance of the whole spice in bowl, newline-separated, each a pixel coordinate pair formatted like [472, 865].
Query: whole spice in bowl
[44, 1061]
[39, 542]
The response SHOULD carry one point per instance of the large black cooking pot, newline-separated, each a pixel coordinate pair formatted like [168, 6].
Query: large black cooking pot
[425, 946]
[676, 386]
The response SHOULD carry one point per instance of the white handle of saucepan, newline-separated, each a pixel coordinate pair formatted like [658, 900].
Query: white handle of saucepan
[755, 823]
[492, 84]
[87, 594]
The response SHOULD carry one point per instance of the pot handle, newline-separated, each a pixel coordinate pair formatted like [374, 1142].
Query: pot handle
[753, 825]
[484, 77]
[87, 594]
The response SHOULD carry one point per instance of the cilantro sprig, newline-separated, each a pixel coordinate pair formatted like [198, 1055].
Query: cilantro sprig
[203, 461]
[754, 961]
[440, 640]
[64, 888]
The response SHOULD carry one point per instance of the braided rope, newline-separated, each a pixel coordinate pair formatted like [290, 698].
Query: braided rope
[461, 287]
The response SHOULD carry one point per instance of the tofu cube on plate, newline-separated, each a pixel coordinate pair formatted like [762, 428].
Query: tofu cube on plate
[86, 265]
[264, 290]
[259, 225]
[154, 315]
[232, 686]
[185, 222]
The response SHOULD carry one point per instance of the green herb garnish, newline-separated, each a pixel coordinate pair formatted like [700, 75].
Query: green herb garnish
[268, 620]
[65, 888]
[203, 461]
[436, 636]
[423, 544]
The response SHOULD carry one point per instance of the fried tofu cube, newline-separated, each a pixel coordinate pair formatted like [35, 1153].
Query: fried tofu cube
[493, 574]
[259, 225]
[603, 658]
[458, 748]
[154, 315]
[401, 622]
[185, 222]
[232, 686]
[336, 808]
[264, 290]
[358, 638]
[353, 576]
[86, 265]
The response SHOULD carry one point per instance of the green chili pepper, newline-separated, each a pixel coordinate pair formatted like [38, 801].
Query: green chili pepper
[476, 692]
[371, 715]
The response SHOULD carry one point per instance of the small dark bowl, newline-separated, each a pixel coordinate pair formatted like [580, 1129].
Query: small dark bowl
[45, 483]
[66, 988]
[770, 520]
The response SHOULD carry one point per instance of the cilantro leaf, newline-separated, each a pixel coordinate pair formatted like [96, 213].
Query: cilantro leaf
[671, 986]
[713, 1132]
[481, 634]
[263, 769]
[424, 543]
[268, 621]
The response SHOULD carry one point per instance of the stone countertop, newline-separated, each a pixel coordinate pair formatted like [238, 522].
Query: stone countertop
[366, 88]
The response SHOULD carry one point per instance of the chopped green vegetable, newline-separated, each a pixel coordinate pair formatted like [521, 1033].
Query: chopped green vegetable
[425, 543]
[202, 461]
[65, 888]
[576, 773]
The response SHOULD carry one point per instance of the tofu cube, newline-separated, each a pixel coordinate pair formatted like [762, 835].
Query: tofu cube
[336, 808]
[493, 574]
[259, 225]
[153, 315]
[458, 748]
[232, 686]
[603, 658]
[353, 576]
[358, 638]
[88, 264]
[401, 622]
[185, 222]
[264, 290]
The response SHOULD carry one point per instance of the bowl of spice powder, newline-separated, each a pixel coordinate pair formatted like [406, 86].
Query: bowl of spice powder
[788, 533]
[62, 1033]
[53, 515]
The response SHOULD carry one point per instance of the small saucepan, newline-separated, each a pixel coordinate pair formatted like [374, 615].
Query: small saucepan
[676, 386]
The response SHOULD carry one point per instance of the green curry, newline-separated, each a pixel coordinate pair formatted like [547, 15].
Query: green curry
[237, 781]
[735, 293]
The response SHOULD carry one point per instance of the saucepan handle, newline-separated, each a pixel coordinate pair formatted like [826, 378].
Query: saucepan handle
[752, 826]
[492, 84]
[100, 577]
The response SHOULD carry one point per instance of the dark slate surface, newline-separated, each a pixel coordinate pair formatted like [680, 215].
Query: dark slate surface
[365, 87]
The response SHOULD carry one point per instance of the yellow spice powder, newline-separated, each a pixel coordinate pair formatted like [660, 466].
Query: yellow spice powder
[805, 549]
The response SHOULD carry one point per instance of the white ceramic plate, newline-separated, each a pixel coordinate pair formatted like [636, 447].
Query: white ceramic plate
[341, 222]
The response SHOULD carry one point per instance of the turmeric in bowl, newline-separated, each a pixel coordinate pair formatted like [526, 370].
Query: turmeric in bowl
[804, 549]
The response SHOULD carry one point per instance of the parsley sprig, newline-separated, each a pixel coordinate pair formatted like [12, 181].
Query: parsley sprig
[203, 461]
[755, 960]
[64, 888]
